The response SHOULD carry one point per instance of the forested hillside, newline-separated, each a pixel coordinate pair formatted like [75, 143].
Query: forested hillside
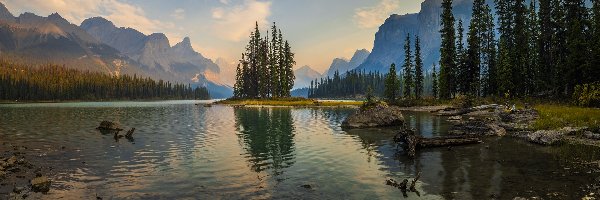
[55, 83]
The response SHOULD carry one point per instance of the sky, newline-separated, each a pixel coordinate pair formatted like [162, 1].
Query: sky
[318, 30]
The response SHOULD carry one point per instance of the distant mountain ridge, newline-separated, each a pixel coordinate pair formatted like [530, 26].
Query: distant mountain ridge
[342, 65]
[33, 39]
[98, 45]
[304, 75]
[154, 52]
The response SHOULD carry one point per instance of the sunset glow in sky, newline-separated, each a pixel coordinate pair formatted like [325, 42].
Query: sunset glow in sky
[319, 30]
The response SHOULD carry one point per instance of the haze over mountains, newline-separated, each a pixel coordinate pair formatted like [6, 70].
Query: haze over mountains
[304, 75]
[342, 65]
[98, 45]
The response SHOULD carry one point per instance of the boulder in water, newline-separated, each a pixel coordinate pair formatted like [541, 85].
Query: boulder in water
[546, 137]
[110, 126]
[379, 115]
[40, 184]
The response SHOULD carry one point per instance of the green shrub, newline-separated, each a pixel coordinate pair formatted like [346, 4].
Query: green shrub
[587, 95]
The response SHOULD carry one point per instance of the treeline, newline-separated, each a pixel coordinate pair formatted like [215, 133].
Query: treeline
[352, 84]
[52, 82]
[266, 68]
[545, 49]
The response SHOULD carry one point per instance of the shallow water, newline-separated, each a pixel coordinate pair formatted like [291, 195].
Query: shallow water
[186, 151]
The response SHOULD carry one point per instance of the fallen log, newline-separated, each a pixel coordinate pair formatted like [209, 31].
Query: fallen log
[411, 142]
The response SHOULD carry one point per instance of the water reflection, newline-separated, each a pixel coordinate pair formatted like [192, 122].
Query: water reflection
[268, 136]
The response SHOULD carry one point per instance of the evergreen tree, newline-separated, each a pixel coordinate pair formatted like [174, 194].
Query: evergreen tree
[391, 84]
[576, 65]
[595, 42]
[461, 65]
[266, 68]
[488, 51]
[408, 71]
[447, 51]
[545, 63]
[418, 69]
[434, 84]
[557, 50]
[474, 52]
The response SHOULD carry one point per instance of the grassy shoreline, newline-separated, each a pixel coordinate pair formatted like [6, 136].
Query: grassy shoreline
[290, 102]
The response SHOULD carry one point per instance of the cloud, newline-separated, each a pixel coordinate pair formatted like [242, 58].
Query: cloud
[234, 22]
[122, 14]
[178, 14]
[372, 17]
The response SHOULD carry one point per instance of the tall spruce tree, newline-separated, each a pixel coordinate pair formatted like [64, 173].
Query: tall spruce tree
[418, 69]
[545, 65]
[473, 54]
[461, 57]
[488, 51]
[447, 51]
[531, 74]
[434, 83]
[408, 71]
[392, 85]
[595, 39]
[266, 68]
[577, 46]
[558, 47]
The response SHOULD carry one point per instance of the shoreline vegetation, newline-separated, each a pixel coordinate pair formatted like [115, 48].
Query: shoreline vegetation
[291, 101]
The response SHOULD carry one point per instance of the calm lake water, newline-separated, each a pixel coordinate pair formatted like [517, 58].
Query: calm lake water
[186, 151]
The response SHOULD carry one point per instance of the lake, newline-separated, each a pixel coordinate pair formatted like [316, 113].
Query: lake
[185, 151]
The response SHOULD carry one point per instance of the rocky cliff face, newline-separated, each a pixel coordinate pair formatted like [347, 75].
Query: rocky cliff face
[179, 63]
[342, 65]
[389, 40]
[33, 39]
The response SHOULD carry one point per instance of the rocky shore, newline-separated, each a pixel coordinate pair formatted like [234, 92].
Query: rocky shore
[20, 177]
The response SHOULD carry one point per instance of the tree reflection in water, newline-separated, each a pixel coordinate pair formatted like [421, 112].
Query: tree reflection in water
[267, 135]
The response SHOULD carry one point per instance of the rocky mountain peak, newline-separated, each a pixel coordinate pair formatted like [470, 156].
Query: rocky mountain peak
[5, 14]
[184, 44]
[97, 22]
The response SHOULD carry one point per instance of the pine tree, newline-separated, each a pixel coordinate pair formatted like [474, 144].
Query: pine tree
[595, 44]
[577, 52]
[532, 81]
[434, 84]
[289, 63]
[274, 58]
[418, 69]
[447, 51]
[474, 52]
[460, 58]
[545, 65]
[391, 84]
[488, 48]
[557, 50]
[408, 71]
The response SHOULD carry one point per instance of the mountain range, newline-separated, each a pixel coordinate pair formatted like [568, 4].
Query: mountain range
[98, 45]
[343, 65]
[304, 75]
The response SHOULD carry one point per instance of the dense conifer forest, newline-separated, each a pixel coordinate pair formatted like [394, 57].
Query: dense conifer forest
[546, 49]
[56, 83]
[266, 68]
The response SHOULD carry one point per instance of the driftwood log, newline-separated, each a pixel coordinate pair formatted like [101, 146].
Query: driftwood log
[411, 142]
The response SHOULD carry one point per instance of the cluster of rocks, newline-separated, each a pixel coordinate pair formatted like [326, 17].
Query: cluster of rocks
[552, 137]
[20, 179]
[487, 120]
[380, 115]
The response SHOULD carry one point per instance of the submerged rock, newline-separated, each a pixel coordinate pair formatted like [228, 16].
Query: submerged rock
[479, 127]
[40, 184]
[546, 137]
[591, 135]
[108, 125]
[377, 116]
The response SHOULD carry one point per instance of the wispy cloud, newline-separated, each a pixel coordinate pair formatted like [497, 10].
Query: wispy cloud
[178, 14]
[234, 22]
[121, 13]
[374, 16]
